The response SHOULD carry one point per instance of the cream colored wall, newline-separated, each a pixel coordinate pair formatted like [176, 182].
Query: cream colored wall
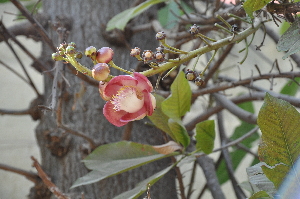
[17, 138]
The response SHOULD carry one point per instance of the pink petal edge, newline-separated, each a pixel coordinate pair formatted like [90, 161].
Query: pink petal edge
[113, 116]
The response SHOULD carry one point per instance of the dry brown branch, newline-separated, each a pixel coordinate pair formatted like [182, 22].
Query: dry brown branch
[47, 181]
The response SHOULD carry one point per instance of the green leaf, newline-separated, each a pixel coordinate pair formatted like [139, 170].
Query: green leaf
[168, 15]
[115, 158]
[236, 154]
[120, 20]
[280, 140]
[291, 87]
[205, 136]
[290, 40]
[260, 195]
[143, 186]
[252, 5]
[179, 133]
[179, 102]
[158, 118]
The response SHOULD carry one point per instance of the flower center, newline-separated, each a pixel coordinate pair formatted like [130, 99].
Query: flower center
[128, 99]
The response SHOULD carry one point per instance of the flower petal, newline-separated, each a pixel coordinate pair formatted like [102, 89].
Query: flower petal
[113, 116]
[143, 82]
[116, 83]
[134, 116]
[149, 102]
[102, 86]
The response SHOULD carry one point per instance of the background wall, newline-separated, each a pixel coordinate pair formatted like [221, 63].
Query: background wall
[17, 136]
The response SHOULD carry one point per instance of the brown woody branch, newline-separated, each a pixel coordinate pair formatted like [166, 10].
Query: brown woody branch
[46, 179]
[33, 177]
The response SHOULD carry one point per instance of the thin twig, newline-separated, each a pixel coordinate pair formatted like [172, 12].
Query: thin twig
[46, 179]
[238, 191]
[12, 37]
[243, 82]
[35, 23]
[22, 66]
[192, 180]
[180, 179]
[33, 177]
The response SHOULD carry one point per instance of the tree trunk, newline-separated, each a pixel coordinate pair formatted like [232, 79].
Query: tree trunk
[61, 151]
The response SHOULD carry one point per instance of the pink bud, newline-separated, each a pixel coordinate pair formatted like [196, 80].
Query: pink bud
[104, 55]
[100, 71]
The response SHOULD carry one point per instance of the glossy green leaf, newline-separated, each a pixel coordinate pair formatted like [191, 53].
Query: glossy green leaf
[290, 40]
[280, 140]
[252, 5]
[143, 186]
[237, 154]
[158, 118]
[179, 133]
[179, 102]
[114, 158]
[205, 136]
[120, 20]
[291, 87]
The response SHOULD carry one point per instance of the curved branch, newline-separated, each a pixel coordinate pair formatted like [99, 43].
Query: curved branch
[247, 81]
[234, 109]
[240, 99]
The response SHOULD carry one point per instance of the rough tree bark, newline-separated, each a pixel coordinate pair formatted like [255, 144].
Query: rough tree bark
[61, 152]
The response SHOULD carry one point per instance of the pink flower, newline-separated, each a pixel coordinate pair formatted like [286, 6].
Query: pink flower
[128, 97]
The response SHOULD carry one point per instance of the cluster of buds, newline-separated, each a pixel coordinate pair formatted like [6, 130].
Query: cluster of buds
[195, 77]
[148, 55]
[65, 51]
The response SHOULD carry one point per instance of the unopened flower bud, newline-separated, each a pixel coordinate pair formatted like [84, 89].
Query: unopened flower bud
[72, 44]
[199, 81]
[134, 52]
[160, 48]
[160, 35]
[57, 57]
[90, 51]
[159, 56]
[70, 50]
[147, 55]
[104, 55]
[190, 75]
[100, 71]
[194, 29]
[79, 55]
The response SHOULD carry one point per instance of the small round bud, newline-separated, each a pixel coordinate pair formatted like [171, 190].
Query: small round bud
[90, 51]
[70, 50]
[160, 48]
[104, 55]
[159, 56]
[79, 55]
[199, 81]
[134, 52]
[72, 44]
[190, 75]
[100, 71]
[160, 35]
[234, 28]
[57, 57]
[194, 29]
[147, 55]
